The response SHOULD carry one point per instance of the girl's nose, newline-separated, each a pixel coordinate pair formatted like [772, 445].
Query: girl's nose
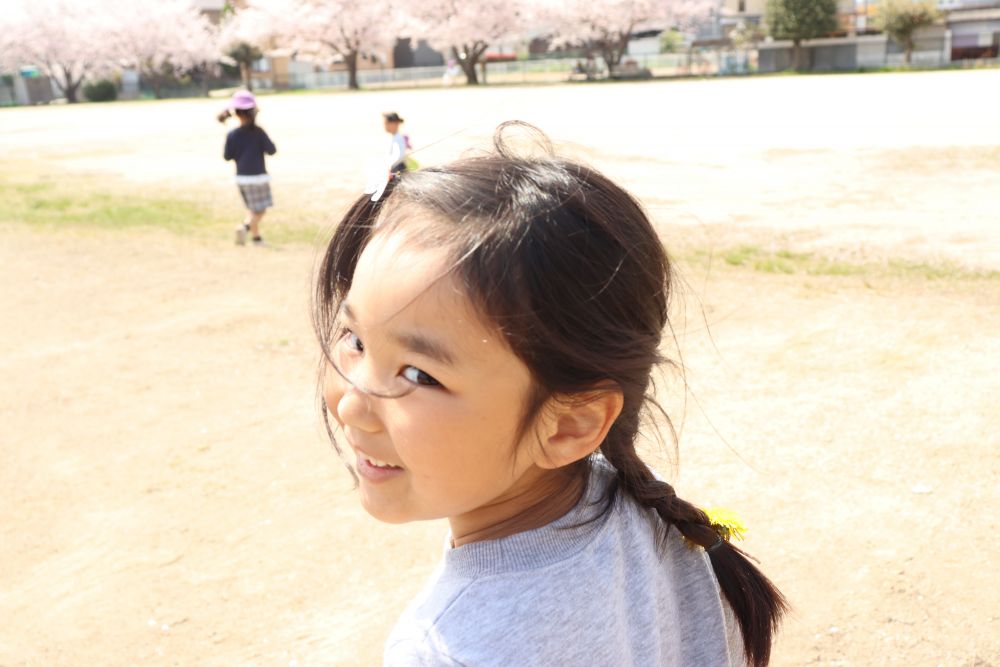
[354, 409]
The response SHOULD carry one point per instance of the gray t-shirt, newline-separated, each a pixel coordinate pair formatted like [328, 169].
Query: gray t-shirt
[567, 594]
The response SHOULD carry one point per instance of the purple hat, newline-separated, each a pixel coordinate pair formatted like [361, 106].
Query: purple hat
[243, 99]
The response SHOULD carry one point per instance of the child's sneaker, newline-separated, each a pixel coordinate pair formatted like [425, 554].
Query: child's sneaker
[241, 235]
[259, 242]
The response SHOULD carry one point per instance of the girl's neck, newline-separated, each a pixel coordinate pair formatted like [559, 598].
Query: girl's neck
[537, 499]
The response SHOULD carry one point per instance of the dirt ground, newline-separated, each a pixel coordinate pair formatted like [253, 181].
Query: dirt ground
[168, 497]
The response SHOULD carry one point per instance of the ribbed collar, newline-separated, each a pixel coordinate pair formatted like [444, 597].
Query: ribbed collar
[551, 543]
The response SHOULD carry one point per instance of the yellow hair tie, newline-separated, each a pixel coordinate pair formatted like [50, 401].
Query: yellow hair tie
[726, 523]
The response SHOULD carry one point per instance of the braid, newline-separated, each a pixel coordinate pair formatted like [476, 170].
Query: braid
[755, 601]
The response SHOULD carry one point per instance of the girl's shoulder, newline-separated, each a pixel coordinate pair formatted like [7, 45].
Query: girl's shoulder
[562, 588]
[248, 130]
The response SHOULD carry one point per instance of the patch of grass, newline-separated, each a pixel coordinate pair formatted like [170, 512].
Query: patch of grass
[822, 266]
[50, 205]
[940, 271]
[72, 203]
[773, 265]
[791, 263]
[741, 255]
[300, 234]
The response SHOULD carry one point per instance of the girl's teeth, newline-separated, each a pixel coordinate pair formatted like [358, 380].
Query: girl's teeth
[376, 462]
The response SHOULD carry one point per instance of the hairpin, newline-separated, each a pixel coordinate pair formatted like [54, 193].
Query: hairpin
[378, 173]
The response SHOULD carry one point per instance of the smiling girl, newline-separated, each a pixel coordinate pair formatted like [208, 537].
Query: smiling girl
[490, 328]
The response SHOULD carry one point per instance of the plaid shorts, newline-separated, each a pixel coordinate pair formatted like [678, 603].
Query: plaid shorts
[257, 196]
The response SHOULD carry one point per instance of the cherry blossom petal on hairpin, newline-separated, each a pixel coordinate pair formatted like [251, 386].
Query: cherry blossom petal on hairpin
[378, 173]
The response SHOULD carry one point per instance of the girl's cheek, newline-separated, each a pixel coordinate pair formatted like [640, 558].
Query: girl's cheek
[331, 396]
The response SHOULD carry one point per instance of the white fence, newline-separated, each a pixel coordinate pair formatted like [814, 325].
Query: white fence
[517, 71]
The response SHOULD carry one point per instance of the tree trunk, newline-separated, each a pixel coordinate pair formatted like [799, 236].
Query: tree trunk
[907, 51]
[203, 79]
[351, 60]
[608, 54]
[245, 75]
[613, 48]
[468, 65]
[797, 55]
[621, 45]
[69, 86]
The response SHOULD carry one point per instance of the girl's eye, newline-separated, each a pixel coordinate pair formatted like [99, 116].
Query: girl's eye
[352, 341]
[417, 376]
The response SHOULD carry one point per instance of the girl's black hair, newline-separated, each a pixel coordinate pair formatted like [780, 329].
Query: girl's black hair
[250, 115]
[569, 267]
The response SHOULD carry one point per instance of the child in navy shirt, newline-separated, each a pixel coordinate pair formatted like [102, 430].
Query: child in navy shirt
[247, 145]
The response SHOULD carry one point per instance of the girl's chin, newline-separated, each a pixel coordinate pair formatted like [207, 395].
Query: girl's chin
[378, 510]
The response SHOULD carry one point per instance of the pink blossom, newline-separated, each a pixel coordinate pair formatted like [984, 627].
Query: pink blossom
[609, 24]
[66, 39]
[464, 30]
[324, 29]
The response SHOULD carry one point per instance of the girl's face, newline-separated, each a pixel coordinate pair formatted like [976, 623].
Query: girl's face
[392, 126]
[451, 444]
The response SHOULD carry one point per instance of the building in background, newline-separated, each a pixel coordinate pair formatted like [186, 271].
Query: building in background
[28, 87]
[732, 13]
[404, 54]
[968, 30]
[213, 9]
[974, 22]
[974, 26]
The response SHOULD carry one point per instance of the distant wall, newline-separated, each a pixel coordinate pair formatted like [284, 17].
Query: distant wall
[933, 47]
[34, 90]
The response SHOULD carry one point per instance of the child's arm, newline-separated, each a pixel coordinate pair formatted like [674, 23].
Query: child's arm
[269, 147]
[229, 153]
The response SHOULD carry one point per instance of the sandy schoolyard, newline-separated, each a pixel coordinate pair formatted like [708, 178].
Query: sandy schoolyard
[168, 497]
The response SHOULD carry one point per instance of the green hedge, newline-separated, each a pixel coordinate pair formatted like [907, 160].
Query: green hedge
[101, 91]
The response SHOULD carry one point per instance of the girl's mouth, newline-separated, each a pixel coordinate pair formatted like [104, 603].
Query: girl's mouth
[376, 462]
[375, 470]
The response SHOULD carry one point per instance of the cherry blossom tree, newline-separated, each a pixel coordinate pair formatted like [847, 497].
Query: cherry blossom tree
[243, 37]
[608, 25]
[161, 39]
[9, 24]
[350, 29]
[66, 39]
[71, 40]
[466, 29]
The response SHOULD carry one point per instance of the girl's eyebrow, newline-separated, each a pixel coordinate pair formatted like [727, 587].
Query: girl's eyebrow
[414, 342]
[426, 347]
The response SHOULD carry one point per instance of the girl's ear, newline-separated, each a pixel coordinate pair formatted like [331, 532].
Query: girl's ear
[575, 426]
